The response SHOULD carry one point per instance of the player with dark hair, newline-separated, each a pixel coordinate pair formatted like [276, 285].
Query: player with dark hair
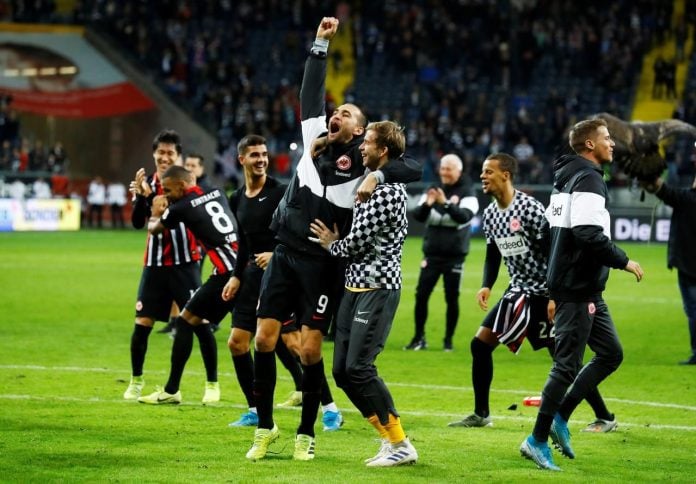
[301, 273]
[253, 206]
[579, 261]
[171, 273]
[373, 247]
[516, 234]
[208, 216]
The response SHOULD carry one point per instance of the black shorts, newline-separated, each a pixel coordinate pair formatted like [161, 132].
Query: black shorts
[539, 331]
[207, 302]
[160, 286]
[302, 285]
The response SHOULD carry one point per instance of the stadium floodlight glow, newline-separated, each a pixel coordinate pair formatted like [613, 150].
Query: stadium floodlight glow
[30, 72]
[11, 73]
[48, 71]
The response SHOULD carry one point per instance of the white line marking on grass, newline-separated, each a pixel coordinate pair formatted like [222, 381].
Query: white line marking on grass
[416, 413]
[390, 383]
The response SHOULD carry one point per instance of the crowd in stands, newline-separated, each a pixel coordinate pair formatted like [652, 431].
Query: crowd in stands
[465, 77]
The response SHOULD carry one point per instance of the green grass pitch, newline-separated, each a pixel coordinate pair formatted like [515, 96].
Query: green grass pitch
[67, 308]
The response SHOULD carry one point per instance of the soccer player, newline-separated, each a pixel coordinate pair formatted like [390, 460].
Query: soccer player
[171, 273]
[516, 233]
[208, 216]
[253, 206]
[447, 209]
[373, 287]
[301, 272]
[194, 163]
[579, 261]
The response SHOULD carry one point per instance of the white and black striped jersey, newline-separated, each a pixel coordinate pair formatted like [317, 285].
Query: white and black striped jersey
[209, 217]
[375, 241]
[517, 232]
[174, 246]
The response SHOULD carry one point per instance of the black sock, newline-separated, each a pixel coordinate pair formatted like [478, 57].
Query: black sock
[290, 362]
[181, 351]
[139, 348]
[594, 399]
[542, 427]
[244, 367]
[326, 396]
[312, 376]
[264, 386]
[206, 340]
[481, 375]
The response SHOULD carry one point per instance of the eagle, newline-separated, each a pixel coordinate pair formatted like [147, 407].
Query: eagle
[637, 150]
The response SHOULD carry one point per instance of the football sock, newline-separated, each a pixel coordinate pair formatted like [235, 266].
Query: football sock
[290, 362]
[452, 315]
[331, 407]
[481, 375]
[206, 341]
[139, 348]
[374, 421]
[326, 397]
[181, 351]
[264, 386]
[244, 368]
[594, 399]
[394, 430]
[312, 376]
[542, 427]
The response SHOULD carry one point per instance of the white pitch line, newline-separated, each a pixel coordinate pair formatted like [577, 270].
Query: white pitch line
[395, 384]
[418, 413]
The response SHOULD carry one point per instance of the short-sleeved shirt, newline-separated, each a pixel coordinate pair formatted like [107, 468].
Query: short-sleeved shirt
[517, 231]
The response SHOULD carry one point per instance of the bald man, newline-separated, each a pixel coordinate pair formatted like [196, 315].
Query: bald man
[446, 209]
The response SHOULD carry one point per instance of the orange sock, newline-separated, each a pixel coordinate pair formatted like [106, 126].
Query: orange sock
[374, 420]
[394, 429]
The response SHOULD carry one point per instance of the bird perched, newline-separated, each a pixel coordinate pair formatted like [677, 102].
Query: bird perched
[637, 150]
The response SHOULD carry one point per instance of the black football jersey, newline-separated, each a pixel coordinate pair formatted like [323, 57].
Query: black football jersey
[209, 217]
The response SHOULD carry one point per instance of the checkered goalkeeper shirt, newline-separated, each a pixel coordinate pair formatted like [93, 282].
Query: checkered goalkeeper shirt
[374, 244]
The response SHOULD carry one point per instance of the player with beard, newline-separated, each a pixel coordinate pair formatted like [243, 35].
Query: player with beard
[301, 272]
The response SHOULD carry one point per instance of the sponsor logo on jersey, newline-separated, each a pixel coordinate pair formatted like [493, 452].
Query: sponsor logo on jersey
[344, 162]
[510, 246]
[515, 225]
[591, 308]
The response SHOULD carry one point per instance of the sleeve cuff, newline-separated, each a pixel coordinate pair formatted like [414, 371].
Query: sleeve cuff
[320, 47]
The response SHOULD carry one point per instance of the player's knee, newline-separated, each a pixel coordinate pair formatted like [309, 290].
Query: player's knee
[237, 347]
[340, 378]
[358, 375]
[479, 348]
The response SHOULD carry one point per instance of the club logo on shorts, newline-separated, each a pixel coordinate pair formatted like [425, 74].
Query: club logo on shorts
[591, 308]
[424, 263]
[139, 306]
[515, 225]
[344, 162]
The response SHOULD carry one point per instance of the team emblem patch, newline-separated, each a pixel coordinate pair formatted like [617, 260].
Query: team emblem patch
[454, 200]
[139, 306]
[424, 263]
[515, 225]
[343, 163]
[591, 308]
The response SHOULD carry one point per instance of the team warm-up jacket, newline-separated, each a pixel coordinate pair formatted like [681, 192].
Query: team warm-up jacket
[581, 248]
[448, 226]
[376, 238]
[324, 188]
[209, 217]
[682, 232]
[173, 246]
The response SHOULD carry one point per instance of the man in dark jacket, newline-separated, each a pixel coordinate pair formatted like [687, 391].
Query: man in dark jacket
[447, 209]
[579, 261]
[682, 239]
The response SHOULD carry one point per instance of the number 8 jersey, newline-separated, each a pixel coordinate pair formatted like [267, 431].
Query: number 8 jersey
[209, 217]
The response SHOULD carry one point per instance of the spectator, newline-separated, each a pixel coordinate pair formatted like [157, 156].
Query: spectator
[96, 198]
[41, 189]
[116, 199]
